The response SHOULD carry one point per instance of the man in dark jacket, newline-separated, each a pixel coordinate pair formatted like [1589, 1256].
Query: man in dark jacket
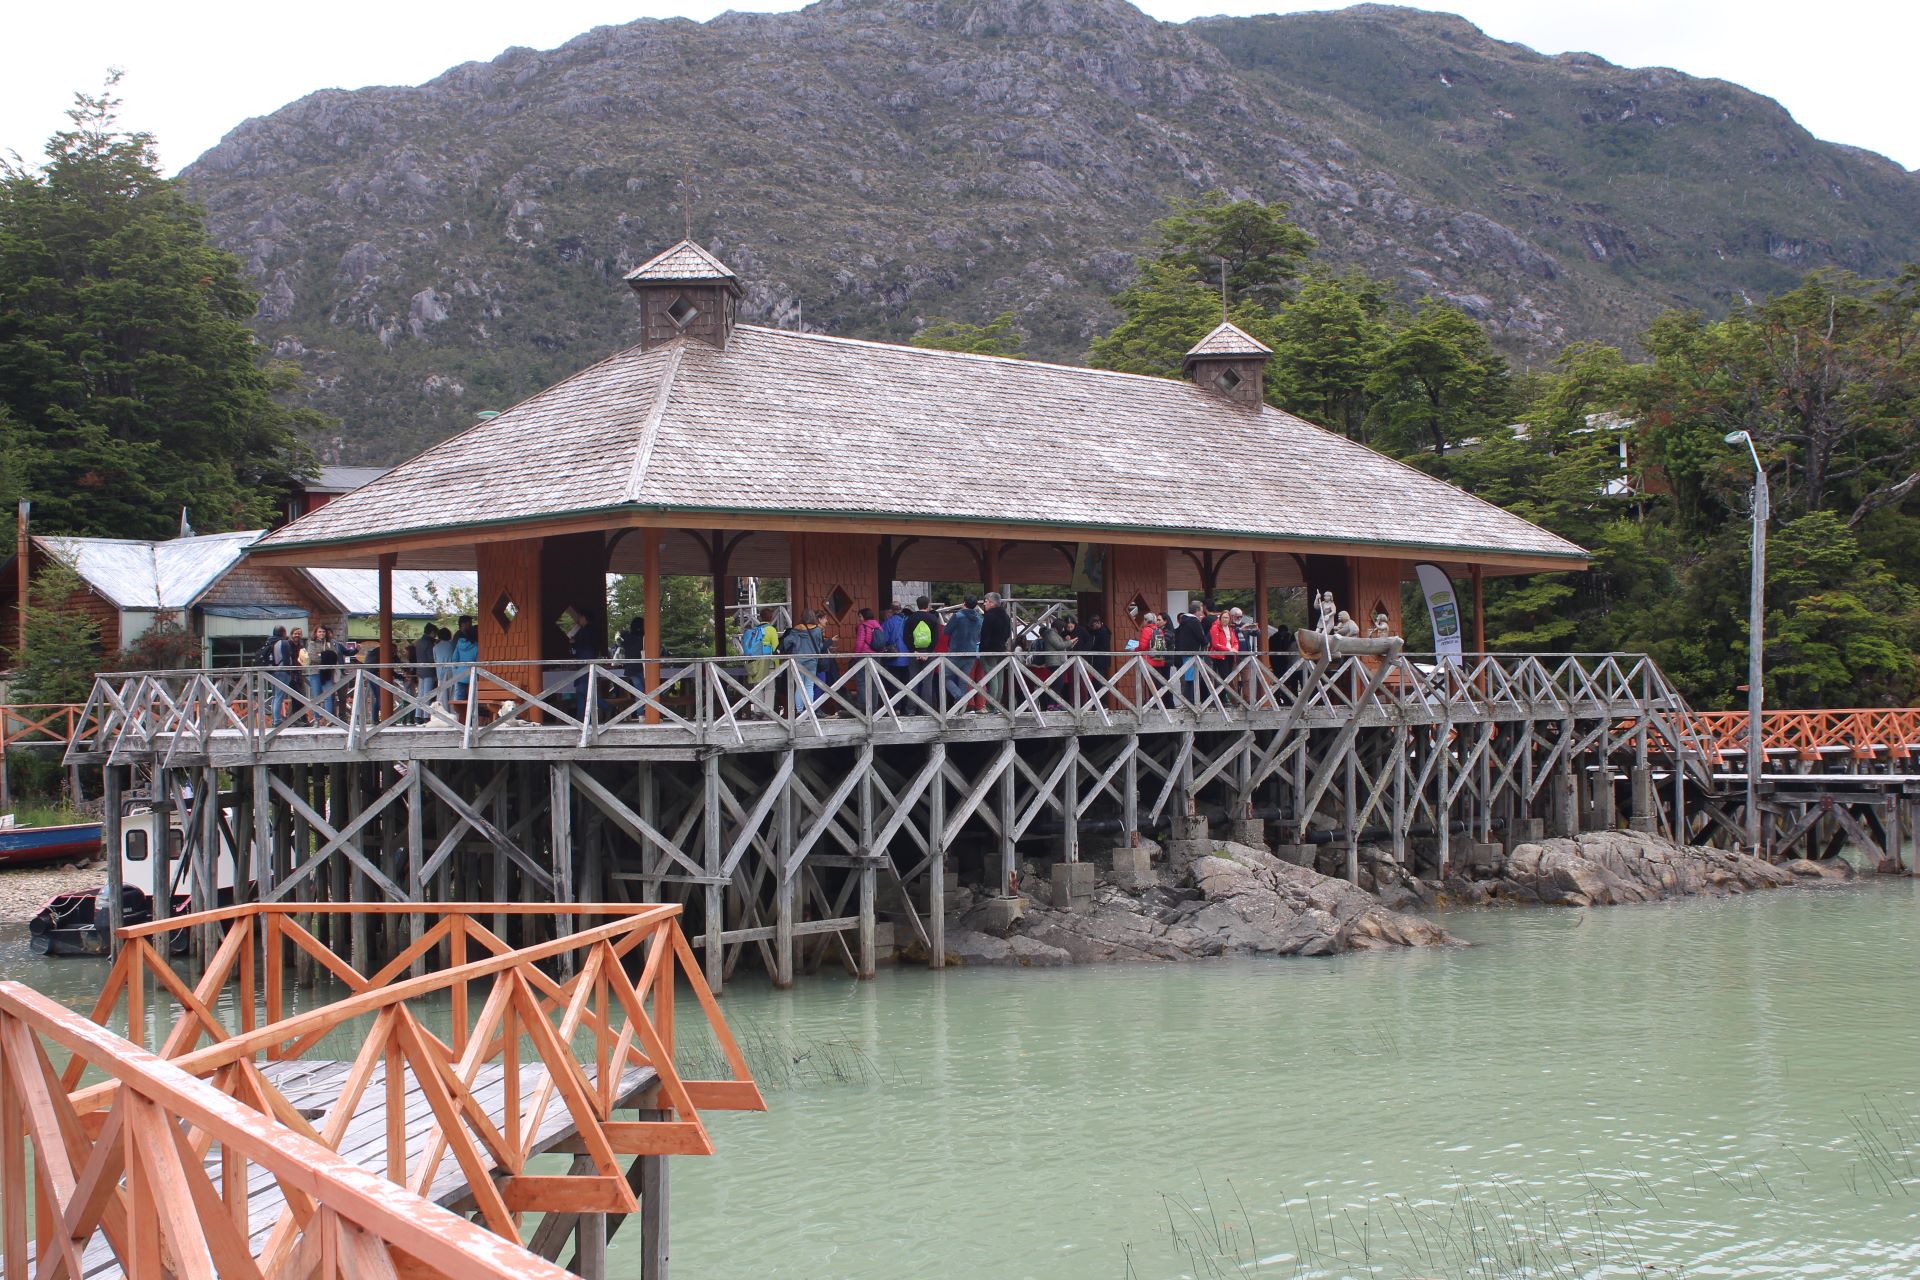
[996, 637]
[1190, 641]
[1096, 641]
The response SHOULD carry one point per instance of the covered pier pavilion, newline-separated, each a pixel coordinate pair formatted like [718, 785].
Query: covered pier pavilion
[795, 824]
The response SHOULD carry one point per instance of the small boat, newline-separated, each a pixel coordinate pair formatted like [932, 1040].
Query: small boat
[22, 845]
[80, 923]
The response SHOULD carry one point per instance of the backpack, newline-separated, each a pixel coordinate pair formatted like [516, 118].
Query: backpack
[922, 635]
[1157, 643]
[264, 655]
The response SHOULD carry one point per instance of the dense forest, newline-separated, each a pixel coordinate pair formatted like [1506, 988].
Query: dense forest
[130, 387]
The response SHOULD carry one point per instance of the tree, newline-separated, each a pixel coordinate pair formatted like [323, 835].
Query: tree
[1327, 341]
[1439, 379]
[1000, 336]
[1259, 246]
[686, 606]
[1167, 312]
[60, 644]
[133, 383]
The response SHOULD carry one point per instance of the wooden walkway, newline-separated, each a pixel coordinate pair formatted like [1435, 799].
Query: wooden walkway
[314, 1087]
[227, 1152]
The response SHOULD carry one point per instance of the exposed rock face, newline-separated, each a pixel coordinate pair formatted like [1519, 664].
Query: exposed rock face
[1607, 868]
[1236, 901]
[868, 165]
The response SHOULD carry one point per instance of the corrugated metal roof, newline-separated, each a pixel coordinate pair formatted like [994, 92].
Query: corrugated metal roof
[150, 575]
[344, 479]
[683, 262]
[803, 424]
[358, 590]
[1229, 339]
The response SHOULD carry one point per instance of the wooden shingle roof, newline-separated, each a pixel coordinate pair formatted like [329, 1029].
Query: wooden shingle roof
[1229, 339]
[682, 263]
[782, 426]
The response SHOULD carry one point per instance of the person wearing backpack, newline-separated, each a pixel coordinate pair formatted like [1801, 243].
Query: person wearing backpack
[758, 643]
[1189, 641]
[963, 648]
[866, 641]
[923, 640]
[893, 635]
[806, 644]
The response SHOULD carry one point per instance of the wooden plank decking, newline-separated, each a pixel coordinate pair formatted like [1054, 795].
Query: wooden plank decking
[313, 1086]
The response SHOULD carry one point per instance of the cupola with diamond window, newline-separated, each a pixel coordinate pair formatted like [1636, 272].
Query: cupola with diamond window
[685, 292]
[1230, 362]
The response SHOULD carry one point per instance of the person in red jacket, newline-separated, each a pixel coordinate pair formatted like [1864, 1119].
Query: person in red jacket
[1223, 642]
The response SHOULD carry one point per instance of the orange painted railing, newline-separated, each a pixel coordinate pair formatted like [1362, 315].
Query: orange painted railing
[48, 722]
[1864, 733]
[582, 1046]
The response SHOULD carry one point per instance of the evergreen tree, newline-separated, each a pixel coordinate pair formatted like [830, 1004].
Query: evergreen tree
[1260, 248]
[61, 648]
[133, 383]
[1438, 380]
[1000, 336]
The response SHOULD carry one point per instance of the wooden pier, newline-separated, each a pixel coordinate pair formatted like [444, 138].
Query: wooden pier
[794, 815]
[251, 1150]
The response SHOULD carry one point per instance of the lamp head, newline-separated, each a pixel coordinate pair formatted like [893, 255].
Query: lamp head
[1735, 437]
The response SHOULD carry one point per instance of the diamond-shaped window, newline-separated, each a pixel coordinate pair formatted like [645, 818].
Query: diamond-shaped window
[839, 602]
[681, 311]
[505, 611]
[1228, 380]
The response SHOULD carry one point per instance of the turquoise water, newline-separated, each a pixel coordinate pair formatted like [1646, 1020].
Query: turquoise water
[1704, 1088]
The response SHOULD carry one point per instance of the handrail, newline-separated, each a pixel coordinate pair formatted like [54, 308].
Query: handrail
[169, 1218]
[1808, 734]
[627, 1021]
[720, 701]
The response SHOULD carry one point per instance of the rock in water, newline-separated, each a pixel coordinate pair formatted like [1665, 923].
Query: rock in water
[1237, 900]
[1606, 868]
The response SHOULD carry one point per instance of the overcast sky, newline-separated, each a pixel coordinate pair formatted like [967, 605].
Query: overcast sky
[194, 69]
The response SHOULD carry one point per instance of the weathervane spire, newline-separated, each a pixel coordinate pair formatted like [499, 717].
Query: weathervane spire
[1223, 291]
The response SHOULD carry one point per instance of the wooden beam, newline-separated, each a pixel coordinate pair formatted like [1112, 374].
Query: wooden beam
[650, 609]
[388, 653]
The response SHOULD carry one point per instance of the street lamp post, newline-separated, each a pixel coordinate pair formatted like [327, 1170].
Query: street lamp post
[1756, 636]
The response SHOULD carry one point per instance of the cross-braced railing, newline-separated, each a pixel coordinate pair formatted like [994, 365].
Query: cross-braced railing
[165, 716]
[546, 1062]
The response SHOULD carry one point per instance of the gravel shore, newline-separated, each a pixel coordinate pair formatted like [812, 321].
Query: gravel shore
[24, 890]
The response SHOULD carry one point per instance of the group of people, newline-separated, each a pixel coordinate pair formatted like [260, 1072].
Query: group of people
[929, 648]
[440, 664]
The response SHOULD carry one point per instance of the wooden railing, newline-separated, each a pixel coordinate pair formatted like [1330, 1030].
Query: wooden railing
[721, 702]
[39, 723]
[1864, 733]
[561, 1054]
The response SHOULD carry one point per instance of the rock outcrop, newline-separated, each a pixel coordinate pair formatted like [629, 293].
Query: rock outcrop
[1238, 900]
[1609, 868]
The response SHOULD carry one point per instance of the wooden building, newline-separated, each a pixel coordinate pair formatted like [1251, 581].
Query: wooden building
[720, 448]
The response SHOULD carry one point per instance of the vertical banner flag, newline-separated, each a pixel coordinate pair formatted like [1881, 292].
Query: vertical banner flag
[1443, 610]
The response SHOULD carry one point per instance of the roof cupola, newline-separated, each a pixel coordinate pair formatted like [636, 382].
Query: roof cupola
[1230, 362]
[685, 292]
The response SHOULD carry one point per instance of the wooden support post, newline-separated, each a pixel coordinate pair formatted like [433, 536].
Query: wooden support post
[162, 850]
[786, 884]
[653, 1212]
[1350, 812]
[1070, 802]
[1260, 610]
[1442, 811]
[1479, 611]
[560, 823]
[864, 847]
[990, 558]
[1130, 800]
[416, 853]
[389, 654]
[114, 842]
[713, 849]
[1402, 745]
[1009, 868]
[650, 609]
[937, 866]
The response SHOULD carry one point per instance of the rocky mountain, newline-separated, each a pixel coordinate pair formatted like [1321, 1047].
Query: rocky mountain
[867, 165]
